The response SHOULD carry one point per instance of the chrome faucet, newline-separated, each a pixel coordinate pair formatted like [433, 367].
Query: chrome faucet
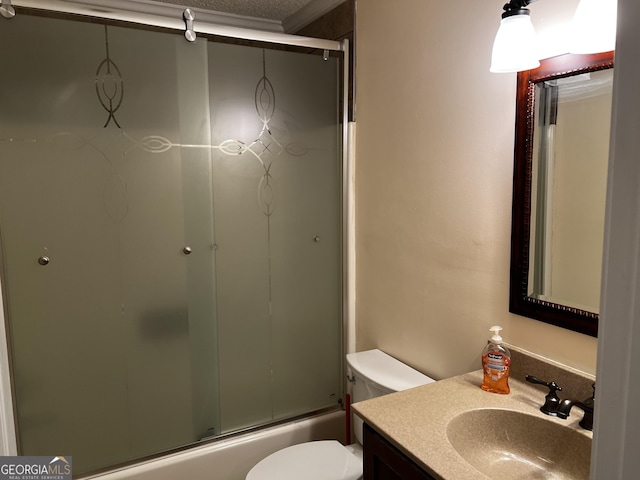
[555, 407]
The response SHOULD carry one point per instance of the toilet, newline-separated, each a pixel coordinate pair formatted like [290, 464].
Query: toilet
[373, 374]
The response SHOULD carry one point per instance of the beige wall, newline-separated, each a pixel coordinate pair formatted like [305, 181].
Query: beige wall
[433, 186]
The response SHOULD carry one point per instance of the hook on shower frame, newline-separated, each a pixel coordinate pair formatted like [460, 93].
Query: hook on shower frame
[189, 16]
[6, 9]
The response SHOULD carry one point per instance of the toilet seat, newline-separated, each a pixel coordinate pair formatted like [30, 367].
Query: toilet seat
[321, 460]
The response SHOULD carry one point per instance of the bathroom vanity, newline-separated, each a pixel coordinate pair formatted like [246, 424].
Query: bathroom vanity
[383, 461]
[453, 430]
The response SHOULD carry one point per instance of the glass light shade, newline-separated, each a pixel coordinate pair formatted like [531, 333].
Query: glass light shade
[514, 47]
[594, 27]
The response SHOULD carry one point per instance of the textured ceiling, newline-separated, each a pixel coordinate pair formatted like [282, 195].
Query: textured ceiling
[269, 9]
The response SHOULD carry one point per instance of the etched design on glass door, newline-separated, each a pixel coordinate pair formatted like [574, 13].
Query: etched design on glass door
[109, 84]
[266, 147]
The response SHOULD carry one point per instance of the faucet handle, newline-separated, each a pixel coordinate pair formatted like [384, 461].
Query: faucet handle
[552, 386]
[588, 408]
[551, 400]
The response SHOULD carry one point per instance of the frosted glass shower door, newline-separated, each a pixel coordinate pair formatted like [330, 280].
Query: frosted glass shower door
[106, 236]
[170, 237]
[276, 172]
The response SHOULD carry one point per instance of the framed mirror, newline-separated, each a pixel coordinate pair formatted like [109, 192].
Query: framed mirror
[563, 116]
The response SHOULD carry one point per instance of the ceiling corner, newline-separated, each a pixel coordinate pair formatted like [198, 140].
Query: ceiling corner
[307, 14]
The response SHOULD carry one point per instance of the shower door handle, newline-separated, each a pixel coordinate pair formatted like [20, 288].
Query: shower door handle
[44, 260]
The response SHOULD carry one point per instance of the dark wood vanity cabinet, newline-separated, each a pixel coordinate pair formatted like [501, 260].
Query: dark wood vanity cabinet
[383, 461]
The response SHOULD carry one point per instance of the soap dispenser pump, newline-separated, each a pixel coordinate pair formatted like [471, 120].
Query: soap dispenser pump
[496, 364]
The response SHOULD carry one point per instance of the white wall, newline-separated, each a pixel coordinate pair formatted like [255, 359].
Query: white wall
[434, 186]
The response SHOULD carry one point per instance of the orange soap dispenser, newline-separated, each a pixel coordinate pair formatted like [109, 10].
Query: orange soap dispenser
[496, 363]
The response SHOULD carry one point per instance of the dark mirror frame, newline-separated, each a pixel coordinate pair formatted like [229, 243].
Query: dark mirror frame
[519, 300]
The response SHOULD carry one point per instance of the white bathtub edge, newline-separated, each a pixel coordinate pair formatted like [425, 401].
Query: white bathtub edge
[232, 458]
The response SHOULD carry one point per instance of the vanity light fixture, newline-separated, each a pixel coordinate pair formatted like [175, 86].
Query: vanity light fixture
[514, 48]
[593, 29]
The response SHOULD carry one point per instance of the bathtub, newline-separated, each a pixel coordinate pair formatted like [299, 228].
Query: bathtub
[232, 458]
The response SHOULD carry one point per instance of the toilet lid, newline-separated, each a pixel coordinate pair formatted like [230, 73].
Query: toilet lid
[322, 460]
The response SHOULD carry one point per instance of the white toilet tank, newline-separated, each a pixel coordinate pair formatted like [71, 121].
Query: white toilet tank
[375, 373]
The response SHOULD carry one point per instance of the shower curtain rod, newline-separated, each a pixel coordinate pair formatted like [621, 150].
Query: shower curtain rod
[171, 16]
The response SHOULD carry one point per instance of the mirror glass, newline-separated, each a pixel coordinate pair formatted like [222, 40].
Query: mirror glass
[569, 181]
[560, 176]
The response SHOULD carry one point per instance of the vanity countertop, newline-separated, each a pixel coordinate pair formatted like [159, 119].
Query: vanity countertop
[416, 420]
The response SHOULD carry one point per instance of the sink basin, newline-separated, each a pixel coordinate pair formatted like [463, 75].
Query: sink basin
[510, 444]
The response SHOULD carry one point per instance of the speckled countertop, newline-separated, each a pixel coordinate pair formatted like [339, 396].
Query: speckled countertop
[416, 420]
